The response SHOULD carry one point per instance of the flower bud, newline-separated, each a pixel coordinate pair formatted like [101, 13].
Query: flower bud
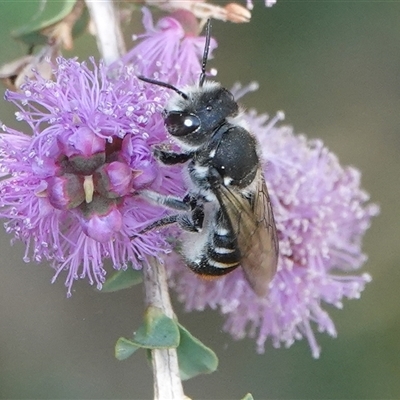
[66, 191]
[83, 141]
[144, 175]
[113, 180]
[100, 219]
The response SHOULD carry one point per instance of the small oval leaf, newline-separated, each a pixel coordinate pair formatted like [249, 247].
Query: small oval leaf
[248, 396]
[124, 348]
[122, 280]
[193, 356]
[157, 331]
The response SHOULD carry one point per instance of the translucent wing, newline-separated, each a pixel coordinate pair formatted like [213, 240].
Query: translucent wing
[252, 220]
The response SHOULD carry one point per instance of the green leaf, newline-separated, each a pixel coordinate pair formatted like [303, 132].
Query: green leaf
[49, 12]
[193, 356]
[122, 280]
[157, 331]
[124, 348]
[248, 396]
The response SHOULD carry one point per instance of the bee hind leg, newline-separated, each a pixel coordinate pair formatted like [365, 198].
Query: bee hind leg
[190, 224]
[169, 219]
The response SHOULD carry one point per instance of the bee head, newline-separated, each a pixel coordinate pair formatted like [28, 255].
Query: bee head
[193, 118]
[194, 113]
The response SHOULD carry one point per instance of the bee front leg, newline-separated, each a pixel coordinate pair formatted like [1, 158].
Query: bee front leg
[171, 157]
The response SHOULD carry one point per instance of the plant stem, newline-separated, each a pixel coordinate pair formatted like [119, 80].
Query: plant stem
[167, 381]
[108, 32]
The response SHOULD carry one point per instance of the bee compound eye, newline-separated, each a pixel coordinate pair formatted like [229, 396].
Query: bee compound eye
[181, 123]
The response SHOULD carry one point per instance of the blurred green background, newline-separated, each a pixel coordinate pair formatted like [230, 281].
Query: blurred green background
[334, 68]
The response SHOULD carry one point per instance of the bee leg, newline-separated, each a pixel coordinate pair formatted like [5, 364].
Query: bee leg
[193, 224]
[167, 201]
[190, 203]
[169, 219]
[170, 157]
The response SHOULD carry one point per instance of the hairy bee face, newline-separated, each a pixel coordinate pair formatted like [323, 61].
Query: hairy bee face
[192, 120]
[227, 213]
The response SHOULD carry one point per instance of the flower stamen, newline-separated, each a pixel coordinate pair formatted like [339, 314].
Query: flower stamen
[88, 188]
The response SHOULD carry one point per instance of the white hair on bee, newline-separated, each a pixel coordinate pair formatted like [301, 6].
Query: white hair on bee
[193, 93]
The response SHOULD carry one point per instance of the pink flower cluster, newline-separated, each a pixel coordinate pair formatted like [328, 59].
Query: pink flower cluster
[68, 187]
[68, 190]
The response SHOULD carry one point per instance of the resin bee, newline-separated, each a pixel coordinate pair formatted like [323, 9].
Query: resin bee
[227, 210]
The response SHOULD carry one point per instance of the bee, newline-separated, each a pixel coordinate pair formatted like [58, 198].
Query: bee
[227, 211]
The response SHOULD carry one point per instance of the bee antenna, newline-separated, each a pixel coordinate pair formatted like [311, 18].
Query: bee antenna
[163, 84]
[205, 53]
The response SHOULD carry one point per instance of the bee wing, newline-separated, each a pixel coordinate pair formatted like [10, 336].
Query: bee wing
[253, 222]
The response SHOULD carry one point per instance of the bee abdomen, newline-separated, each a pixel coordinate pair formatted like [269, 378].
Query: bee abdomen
[223, 249]
[207, 266]
[220, 255]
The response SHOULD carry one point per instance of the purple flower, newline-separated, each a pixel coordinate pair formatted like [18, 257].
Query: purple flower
[68, 188]
[171, 50]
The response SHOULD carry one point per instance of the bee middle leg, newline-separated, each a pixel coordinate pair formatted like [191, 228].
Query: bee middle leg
[192, 222]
